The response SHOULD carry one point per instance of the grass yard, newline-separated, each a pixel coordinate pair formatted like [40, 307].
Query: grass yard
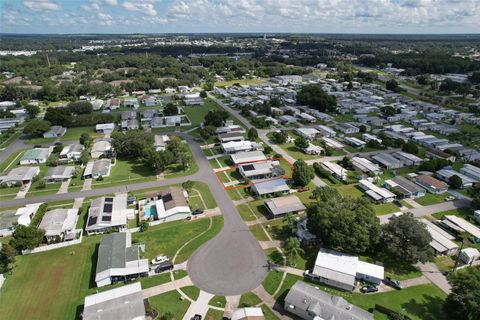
[385, 208]
[351, 190]
[7, 138]
[239, 81]
[73, 134]
[272, 281]
[125, 172]
[218, 301]
[444, 263]
[249, 299]
[76, 184]
[11, 161]
[197, 114]
[179, 274]
[37, 190]
[394, 267]
[176, 170]
[213, 314]
[423, 302]
[191, 291]
[430, 198]
[465, 213]
[245, 212]
[168, 237]
[63, 275]
[258, 232]
[170, 302]
[216, 227]
[8, 193]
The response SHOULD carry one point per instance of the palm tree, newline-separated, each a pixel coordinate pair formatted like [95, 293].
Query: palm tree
[291, 224]
[292, 250]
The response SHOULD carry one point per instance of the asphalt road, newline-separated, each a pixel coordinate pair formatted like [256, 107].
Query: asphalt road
[233, 262]
[230, 264]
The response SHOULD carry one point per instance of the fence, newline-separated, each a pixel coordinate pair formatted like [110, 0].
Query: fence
[53, 246]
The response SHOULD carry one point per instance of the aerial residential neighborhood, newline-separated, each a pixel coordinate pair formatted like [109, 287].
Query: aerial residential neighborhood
[171, 160]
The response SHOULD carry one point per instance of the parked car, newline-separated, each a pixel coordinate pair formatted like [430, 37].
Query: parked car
[393, 283]
[160, 259]
[450, 198]
[164, 267]
[197, 317]
[368, 289]
[197, 211]
[37, 146]
[58, 143]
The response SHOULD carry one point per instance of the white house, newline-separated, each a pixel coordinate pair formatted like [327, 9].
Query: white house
[375, 192]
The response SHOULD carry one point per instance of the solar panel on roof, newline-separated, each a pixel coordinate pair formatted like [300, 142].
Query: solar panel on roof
[248, 167]
[107, 218]
[108, 199]
[92, 221]
[107, 207]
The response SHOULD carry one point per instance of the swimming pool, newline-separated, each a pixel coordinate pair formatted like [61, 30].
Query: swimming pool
[150, 211]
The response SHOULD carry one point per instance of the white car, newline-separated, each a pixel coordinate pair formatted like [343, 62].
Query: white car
[160, 259]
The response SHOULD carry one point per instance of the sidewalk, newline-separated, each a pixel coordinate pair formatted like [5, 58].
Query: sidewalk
[64, 186]
[431, 271]
[166, 287]
[200, 306]
[231, 305]
[270, 244]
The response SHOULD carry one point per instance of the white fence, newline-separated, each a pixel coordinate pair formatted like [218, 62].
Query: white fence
[57, 245]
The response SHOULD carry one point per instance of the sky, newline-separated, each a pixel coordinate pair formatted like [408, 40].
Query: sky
[223, 16]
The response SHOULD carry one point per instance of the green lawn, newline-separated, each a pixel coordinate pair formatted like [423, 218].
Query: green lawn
[170, 302]
[75, 133]
[11, 161]
[191, 291]
[430, 198]
[258, 232]
[179, 274]
[196, 114]
[239, 81]
[249, 299]
[8, 193]
[213, 314]
[36, 190]
[385, 208]
[63, 275]
[218, 301]
[156, 280]
[245, 212]
[7, 138]
[167, 238]
[125, 172]
[351, 190]
[423, 302]
[272, 281]
[76, 184]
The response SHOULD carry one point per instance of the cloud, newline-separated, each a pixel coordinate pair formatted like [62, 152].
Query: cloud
[42, 5]
[146, 6]
[111, 2]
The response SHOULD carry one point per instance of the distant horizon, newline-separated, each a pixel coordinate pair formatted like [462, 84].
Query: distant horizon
[240, 16]
[240, 32]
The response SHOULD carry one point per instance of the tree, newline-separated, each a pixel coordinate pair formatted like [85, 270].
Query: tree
[85, 139]
[215, 118]
[301, 143]
[60, 116]
[131, 144]
[474, 192]
[392, 85]
[291, 224]
[389, 111]
[362, 128]
[157, 160]
[348, 224]
[179, 151]
[207, 131]
[292, 250]
[188, 185]
[252, 134]
[408, 239]
[464, 300]
[313, 96]
[302, 173]
[80, 107]
[170, 109]
[32, 111]
[280, 137]
[455, 181]
[7, 258]
[410, 147]
[203, 94]
[26, 237]
[36, 128]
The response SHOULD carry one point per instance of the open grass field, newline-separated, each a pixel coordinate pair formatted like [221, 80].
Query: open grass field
[351, 190]
[170, 302]
[272, 281]
[125, 172]
[249, 299]
[169, 237]
[54, 283]
[72, 134]
[385, 208]
[430, 198]
[239, 81]
[191, 291]
[196, 114]
[218, 301]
